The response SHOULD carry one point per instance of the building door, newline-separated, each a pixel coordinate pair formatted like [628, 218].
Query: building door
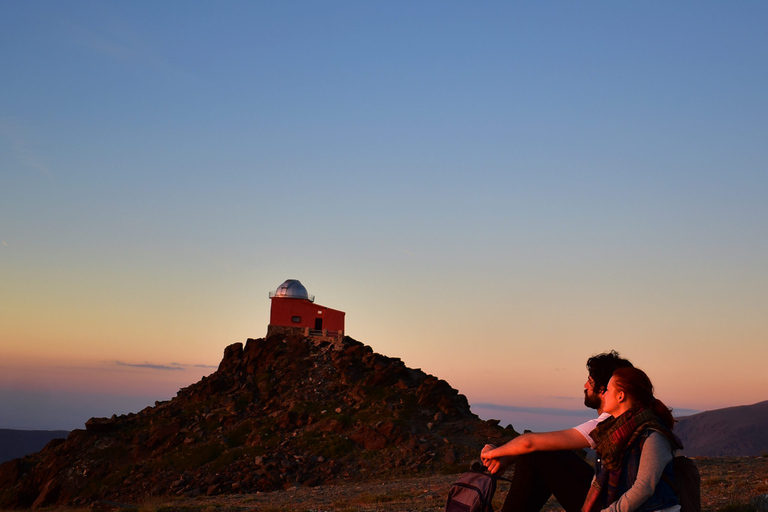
[318, 324]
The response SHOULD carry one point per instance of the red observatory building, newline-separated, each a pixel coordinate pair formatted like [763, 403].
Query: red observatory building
[293, 309]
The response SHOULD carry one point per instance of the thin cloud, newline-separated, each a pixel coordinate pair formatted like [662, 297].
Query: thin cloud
[194, 365]
[162, 367]
[533, 410]
[202, 366]
[560, 412]
[149, 366]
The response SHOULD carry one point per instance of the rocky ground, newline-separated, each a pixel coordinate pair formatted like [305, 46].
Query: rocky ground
[732, 484]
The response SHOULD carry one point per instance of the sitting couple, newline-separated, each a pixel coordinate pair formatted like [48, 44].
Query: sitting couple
[632, 438]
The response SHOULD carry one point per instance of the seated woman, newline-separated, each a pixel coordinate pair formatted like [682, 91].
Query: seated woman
[634, 449]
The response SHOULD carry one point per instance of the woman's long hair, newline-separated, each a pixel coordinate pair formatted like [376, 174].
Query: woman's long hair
[637, 386]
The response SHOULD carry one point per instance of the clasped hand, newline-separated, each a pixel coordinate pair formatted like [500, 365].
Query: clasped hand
[495, 464]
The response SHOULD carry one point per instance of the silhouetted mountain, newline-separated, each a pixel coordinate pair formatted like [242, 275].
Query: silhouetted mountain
[283, 411]
[17, 443]
[734, 431]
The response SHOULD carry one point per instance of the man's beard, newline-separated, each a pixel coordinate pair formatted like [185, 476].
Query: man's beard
[591, 400]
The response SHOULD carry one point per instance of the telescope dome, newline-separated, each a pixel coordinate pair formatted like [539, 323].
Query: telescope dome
[292, 289]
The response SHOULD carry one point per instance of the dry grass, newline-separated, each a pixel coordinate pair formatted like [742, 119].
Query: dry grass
[729, 484]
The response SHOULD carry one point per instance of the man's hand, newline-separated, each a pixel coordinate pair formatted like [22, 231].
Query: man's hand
[495, 465]
[484, 453]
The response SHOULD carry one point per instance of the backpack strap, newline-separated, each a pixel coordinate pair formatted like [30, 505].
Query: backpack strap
[478, 467]
[671, 482]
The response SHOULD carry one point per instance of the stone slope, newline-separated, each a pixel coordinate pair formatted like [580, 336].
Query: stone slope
[279, 412]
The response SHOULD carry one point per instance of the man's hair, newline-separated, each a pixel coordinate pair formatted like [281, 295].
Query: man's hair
[602, 366]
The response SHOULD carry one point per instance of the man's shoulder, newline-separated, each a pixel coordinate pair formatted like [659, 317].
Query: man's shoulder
[588, 426]
[591, 424]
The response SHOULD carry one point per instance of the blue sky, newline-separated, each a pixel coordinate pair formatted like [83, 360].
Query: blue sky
[491, 192]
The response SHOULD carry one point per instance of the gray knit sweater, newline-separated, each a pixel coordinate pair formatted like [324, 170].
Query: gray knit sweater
[656, 454]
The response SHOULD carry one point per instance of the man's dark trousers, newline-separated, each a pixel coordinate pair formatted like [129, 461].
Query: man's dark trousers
[539, 475]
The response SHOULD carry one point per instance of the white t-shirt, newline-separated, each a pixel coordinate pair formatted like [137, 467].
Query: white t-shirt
[588, 426]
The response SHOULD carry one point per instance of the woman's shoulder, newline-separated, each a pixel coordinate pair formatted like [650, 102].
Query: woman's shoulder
[656, 436]
[657, 442]
[661, 434]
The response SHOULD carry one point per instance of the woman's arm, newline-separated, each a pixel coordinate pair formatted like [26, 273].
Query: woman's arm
[656, 454]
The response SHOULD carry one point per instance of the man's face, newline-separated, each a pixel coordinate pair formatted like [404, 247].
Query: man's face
[592, 399]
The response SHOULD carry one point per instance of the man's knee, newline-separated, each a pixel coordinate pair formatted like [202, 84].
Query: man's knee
[562, 462]
[547, 457]
[535, 462]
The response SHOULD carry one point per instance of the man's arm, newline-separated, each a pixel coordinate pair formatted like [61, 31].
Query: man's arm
[498, 458]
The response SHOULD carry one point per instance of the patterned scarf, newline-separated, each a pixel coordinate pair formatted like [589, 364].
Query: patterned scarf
[612, 437]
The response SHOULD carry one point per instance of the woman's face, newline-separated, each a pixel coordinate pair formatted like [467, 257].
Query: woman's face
[614, 400]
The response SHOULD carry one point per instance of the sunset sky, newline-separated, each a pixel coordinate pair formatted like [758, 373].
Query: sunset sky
[491, 191]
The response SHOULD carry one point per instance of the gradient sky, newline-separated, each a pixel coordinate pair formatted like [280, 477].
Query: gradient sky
[491, 191]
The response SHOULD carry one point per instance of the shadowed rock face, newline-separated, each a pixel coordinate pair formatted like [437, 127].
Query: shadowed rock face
[281, 411]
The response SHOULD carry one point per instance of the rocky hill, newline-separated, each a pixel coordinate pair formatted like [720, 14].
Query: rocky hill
[733, 431]
[282, 411]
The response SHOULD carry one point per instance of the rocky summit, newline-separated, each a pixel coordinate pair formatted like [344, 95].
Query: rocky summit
[283, 411]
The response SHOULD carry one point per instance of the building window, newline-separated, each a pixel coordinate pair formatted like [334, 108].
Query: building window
[296, 319]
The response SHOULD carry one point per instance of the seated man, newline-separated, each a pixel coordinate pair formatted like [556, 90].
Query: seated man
[546, 463]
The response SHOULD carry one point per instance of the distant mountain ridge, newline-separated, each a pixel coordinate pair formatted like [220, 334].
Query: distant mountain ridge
[729, 432]
[17, 443]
